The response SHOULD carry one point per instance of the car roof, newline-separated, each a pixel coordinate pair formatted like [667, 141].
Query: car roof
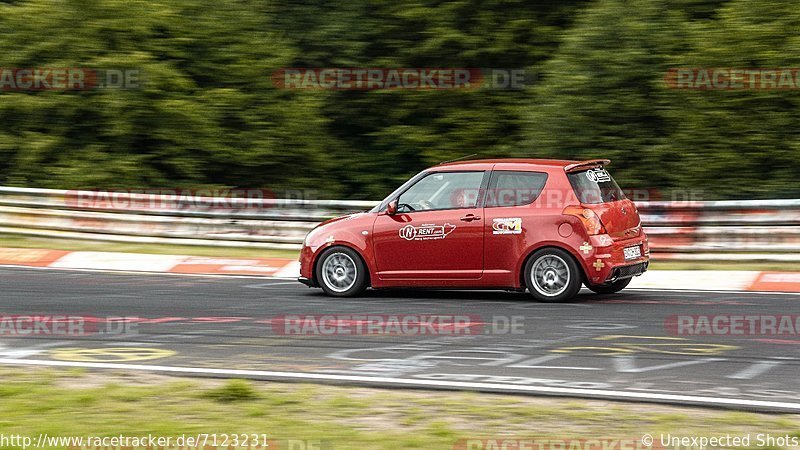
[528, 161]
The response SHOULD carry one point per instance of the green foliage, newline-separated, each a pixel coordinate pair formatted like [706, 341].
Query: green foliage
[605, 95]
[207, 114]
[232, 391]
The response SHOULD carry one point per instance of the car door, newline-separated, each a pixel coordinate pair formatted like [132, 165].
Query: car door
[512, 224]
[437, 231]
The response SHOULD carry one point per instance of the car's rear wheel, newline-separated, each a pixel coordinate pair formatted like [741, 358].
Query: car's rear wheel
[341, 272]
[552, 275]
[612, 288]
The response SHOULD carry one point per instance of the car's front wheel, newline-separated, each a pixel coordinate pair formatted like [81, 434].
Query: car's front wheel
[612, 288]
[552, 275]
[341, 272]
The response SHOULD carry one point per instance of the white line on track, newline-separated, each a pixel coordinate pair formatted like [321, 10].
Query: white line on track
[270, 284]
[701, 291]
[431, 384]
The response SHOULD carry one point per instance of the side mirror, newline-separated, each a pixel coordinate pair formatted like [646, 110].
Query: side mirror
[391, 208]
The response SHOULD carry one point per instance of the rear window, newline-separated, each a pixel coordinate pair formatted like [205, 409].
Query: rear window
[512, 188]
[595, 186]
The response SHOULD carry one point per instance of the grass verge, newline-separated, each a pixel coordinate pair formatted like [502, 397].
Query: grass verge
[79, 403]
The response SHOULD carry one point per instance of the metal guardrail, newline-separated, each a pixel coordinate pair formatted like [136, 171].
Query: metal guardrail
[716, 230]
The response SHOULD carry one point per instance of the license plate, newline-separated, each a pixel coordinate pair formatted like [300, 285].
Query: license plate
[632, 252]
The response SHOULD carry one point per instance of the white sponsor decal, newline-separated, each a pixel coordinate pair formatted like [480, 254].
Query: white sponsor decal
[426, 232]
[507, 225]
[598, 175]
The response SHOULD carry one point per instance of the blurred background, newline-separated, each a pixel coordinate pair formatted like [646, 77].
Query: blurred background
[207, 114]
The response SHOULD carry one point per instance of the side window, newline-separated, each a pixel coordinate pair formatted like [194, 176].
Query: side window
[511, 188]
[442, 190]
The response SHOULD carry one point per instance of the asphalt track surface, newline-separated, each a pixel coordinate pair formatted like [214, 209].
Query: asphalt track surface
[613, 346]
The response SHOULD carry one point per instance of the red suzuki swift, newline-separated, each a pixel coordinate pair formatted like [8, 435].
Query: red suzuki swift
[511, 224]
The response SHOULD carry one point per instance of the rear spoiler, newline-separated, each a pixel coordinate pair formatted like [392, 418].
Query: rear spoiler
[588, 164]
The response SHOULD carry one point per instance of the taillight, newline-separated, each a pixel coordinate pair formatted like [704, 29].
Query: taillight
[589, 219]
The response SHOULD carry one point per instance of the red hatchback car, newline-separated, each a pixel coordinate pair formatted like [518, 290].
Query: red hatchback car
[510, 224]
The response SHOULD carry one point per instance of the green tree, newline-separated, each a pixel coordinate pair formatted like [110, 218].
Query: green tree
[206, 113]
[740, 143]
[603, 92]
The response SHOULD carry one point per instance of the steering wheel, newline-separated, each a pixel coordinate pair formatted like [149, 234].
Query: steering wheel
[401, 206]
[424, 204]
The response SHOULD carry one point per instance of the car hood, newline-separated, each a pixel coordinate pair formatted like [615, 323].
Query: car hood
[344, 218]
[339, 228]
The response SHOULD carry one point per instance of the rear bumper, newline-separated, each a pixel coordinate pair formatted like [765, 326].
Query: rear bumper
[605, 264]
[623, 272]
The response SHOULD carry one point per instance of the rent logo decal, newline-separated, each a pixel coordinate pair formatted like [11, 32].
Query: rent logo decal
[734, 325]
[507, 225]
[426, 231]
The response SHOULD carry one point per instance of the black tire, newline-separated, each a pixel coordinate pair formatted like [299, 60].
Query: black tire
[556, 283]
[334, 272]
[612, 288]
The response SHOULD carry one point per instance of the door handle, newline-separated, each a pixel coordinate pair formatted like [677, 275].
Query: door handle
[470, 218]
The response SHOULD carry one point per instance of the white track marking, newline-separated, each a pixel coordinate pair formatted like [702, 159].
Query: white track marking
[754, 370]
[291, 270]
[269, 285]
[144, 273]
[117, 261]
[696, 279]
[436, 384]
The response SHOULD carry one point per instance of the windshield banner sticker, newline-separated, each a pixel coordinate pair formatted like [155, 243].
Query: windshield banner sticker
[426, 231]
[507, 225]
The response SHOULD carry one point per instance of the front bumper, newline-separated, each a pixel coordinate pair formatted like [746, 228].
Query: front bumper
[306, 266]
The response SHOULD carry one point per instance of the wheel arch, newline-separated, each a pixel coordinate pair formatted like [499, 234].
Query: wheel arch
[556, 245]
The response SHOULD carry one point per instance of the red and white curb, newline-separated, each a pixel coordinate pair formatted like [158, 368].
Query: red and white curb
[704, 280]
[138, 262]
